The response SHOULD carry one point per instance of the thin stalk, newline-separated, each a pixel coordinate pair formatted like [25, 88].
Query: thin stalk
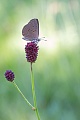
[34, 95]
[23, 95]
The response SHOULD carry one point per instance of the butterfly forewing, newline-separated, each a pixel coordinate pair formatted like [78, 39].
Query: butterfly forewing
[31, 30]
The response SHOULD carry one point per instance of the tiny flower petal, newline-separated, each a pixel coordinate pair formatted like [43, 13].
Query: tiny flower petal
[31, 50]
[9, 75]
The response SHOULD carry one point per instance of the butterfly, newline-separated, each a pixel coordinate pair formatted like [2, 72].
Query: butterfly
[31, 31]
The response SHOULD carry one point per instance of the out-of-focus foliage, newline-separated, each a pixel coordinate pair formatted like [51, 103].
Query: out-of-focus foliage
[57, 69]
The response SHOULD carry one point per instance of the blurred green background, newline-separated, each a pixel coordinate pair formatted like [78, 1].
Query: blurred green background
[57, 69]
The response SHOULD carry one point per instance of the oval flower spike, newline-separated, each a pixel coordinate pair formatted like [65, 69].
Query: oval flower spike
[31, 50]
[9, 75]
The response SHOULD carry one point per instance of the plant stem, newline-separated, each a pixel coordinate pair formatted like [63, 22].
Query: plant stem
[23, 95]
[33, 93]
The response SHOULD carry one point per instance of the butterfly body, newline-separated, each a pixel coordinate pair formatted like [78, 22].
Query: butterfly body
[33, 40]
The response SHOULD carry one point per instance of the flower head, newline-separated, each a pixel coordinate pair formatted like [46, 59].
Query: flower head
[31, 50]
[9, 75]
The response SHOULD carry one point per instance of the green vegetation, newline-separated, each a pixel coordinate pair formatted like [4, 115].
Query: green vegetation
[57, 69]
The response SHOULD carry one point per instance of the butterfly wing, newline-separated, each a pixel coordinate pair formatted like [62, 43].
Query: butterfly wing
[31, 30]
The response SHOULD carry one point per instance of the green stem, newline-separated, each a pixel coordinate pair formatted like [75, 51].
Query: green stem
[23, 95]
[34, 95]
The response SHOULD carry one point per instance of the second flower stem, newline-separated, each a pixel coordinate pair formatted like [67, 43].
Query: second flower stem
[23, 95]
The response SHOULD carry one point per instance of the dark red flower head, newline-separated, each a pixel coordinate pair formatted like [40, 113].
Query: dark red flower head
[31, 50]
[9, 75]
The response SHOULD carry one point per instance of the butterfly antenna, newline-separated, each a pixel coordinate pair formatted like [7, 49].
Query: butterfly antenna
[43, 38]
